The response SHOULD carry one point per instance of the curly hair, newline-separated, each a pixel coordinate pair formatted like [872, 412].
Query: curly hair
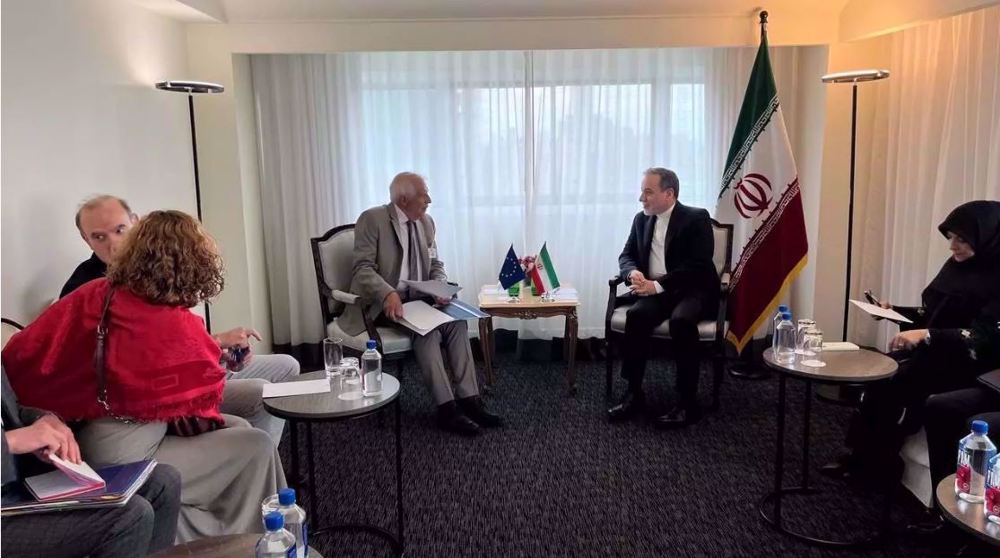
[169, 259]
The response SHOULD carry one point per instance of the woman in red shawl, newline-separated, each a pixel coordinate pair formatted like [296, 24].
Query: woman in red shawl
[161, 368]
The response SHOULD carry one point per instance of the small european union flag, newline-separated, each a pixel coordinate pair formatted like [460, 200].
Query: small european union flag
[511, 272]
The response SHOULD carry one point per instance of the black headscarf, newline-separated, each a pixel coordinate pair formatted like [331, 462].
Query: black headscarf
[961, 289]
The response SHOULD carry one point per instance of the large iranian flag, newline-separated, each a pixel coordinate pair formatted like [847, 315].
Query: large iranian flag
[760, 196]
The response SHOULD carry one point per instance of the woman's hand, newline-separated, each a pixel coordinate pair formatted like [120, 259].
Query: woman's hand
[907, 339]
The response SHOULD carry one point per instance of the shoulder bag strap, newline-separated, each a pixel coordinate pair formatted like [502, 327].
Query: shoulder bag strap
[99, 352]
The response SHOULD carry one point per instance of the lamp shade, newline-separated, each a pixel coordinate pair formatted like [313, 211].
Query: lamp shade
[855, 76]
[186, 86]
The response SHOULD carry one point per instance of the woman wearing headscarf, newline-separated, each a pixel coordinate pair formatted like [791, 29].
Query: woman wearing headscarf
[966, 286]
[127, 361]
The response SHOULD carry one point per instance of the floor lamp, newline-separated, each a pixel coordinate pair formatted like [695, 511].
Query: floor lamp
[192, 88]
[854, 78]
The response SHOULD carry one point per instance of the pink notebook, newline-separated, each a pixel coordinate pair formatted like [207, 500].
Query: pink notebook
[68, 479]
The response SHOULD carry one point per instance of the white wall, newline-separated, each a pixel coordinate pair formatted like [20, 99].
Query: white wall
[80, 116]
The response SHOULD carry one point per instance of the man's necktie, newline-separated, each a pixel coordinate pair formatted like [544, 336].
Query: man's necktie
[413, 263]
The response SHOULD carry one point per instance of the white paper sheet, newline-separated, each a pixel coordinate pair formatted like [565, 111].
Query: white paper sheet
[439, 289]
[830, 346]
[80, 473]
[422, 317]
[285, 389]
[881, 312]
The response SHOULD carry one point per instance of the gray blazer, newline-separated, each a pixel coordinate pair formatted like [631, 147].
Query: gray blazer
[378, 257]
[14, 416]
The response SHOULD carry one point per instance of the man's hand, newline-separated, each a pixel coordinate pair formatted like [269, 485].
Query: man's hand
[636, 277]
[907, 339]
[47, 435]
[392, 306]
[441, 301]
[238, 337]
[645, 288]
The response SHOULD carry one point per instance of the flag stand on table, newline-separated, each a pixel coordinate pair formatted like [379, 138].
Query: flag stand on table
[550, 281]
[760, 196]
[510, 271]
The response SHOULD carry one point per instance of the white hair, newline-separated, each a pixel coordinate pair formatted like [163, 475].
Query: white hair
[404, 184]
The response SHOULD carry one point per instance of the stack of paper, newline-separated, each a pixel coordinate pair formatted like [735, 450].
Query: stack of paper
[880, 312]
[422, 317]
[438, 289]
[284, 389]
[118, 484]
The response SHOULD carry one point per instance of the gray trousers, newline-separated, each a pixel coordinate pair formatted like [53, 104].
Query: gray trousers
[449, 342]
[225, 474]
[243, 395]
[146, 524]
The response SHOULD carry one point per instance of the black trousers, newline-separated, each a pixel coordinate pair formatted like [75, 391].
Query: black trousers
[642, 318]
[948, 418]
[146, 524]
[891, 410]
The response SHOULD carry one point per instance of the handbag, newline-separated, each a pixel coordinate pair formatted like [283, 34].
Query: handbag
[184, 426]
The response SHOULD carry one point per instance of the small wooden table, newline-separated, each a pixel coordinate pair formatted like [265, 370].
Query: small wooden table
[967, 517]
[842, 367]
[229, 546]
[498, 304]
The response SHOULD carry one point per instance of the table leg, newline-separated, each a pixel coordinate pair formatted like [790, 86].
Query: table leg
[486, 343]
[293, 428]
[779, 453]
[399, 478]
[806, 421]
[569, 348]
[310, 456]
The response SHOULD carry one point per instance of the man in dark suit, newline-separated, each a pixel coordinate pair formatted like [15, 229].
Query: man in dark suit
[147, 523]
[667, 263]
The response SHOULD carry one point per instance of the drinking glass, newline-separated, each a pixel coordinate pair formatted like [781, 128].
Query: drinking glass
[350, 379]
[812, 347]
[800, 330]
[333, 354]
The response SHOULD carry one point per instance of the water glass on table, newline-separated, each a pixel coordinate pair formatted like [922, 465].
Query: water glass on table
[812, 348]
[333, 354]
[800, 330]
[350, 379]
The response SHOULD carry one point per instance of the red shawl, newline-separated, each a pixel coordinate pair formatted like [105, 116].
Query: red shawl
[160, 363]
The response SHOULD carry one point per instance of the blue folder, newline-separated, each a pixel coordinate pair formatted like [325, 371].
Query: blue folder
[122, 482]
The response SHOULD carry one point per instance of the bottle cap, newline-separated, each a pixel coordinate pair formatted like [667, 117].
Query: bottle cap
[286, 496]
[786, 315]
[782, 308]
[372, 344]
[274, 521]
[980, 427]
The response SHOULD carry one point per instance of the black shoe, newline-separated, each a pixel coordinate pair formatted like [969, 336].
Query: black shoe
[631, 405]
[450, 419]
[474, 408]
[931, 524]
[677, 417]
[839, 468]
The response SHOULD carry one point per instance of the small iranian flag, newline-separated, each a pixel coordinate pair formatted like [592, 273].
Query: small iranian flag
[550, 280]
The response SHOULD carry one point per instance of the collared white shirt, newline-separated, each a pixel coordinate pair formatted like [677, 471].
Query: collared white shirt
[657, 255]
[404, 239]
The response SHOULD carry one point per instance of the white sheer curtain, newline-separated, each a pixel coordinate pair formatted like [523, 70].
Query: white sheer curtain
[517, 147]
[937, 146]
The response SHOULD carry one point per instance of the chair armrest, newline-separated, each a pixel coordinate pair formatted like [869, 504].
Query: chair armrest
[724, 281]
[346, 298]
[615, 281]
[612, 295]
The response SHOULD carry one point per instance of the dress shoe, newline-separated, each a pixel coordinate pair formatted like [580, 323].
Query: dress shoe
[839, 468]
[474, 408]
[931, 524]
[678, 416]
[449, 418]
[631, 405]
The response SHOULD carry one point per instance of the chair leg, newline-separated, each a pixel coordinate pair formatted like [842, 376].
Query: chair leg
[610, 366]
[718, 371]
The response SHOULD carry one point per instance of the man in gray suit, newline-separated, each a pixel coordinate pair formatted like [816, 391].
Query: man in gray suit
[393, 243]
[147, 523]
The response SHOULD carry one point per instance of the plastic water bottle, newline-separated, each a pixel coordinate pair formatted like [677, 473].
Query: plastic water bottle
[276, 542]
[784, 340]
[371, 370]
[991, 496]
[295, 520]
[974, 452]
[774, 325]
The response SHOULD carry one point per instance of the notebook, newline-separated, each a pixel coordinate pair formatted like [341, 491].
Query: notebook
[69, 479]
[118, 484]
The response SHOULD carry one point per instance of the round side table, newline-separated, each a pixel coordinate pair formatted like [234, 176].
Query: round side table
[329, 407]
[967, 517]
[842, 367]
[229, 546]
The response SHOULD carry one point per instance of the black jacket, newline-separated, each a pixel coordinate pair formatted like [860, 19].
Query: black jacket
[688, 248]
[90, 269]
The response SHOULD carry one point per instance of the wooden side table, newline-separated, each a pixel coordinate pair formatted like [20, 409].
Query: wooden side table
[527, 308]
[967, 517]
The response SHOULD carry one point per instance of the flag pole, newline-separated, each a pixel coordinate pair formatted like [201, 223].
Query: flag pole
[749, 365]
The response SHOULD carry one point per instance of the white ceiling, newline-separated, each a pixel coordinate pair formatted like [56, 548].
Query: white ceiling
[286, 11]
